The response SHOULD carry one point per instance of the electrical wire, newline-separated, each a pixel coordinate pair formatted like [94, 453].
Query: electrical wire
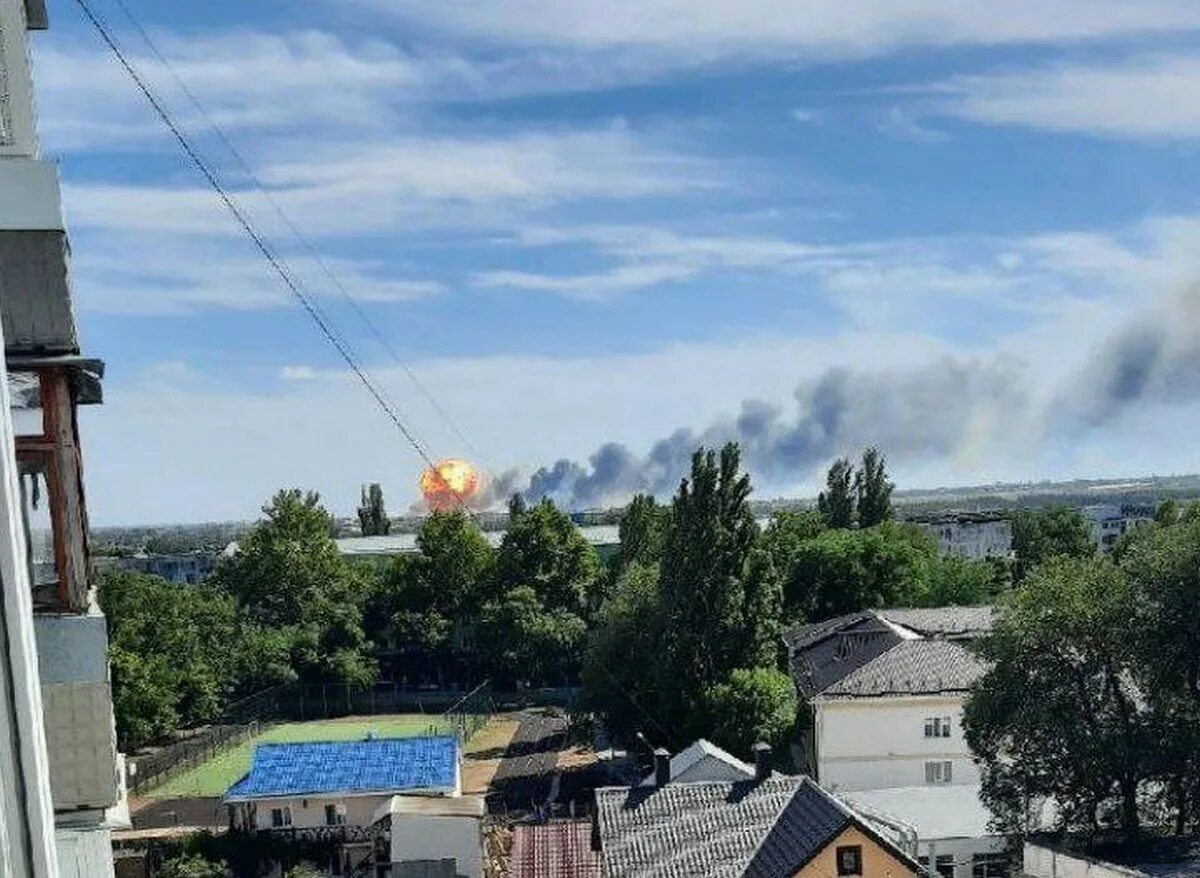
[304, 242]
[323, 324]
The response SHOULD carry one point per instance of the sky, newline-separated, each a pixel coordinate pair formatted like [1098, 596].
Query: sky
[600, 234]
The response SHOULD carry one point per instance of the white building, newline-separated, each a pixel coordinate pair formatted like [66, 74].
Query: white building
[46, 378]
[388, 801]
[974, 535]
[1109, 522]
[886, 689]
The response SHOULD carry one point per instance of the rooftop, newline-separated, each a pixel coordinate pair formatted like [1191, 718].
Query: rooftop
[554, 850]
[383, 765]
[406, 543]
[943, 621]
[708, 758]
[912, 667]
[756, 829]
[934, 812]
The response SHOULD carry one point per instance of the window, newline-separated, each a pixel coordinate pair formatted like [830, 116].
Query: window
[937, 727]
[938, 772]
[849, 860]
[989, 865]
[335, 815]
[281, 817]
[944, 865]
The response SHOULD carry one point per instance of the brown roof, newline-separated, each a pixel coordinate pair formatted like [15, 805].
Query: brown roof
[555, 850]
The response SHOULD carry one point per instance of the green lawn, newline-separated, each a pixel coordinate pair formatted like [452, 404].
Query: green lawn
[214, 777]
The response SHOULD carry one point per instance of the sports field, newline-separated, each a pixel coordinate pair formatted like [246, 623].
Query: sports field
[214, 777]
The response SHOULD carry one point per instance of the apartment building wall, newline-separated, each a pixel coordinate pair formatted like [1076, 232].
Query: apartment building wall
[878, 743]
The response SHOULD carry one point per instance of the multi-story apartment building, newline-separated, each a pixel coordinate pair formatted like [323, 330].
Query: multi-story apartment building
[974, 535]
[886, 690]
[47, 378]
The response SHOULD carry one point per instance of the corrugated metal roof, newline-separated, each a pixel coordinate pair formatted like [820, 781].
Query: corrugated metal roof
[934, 812]
[554, 850]
[912, 667]
[378, 765]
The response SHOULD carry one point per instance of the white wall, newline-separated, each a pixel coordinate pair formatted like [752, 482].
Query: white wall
[309, 811]
[84, 854]
[1044, 862]
[879, 743]
[17, 134]
[439, 838]
[961, 849]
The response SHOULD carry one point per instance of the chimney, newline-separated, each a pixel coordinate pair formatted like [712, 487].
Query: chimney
[662, 767]
[762, 760]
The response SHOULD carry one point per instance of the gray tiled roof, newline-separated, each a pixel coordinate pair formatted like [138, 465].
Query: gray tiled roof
[742, 829]
[822, 654]
[912, 667]
[943, 621]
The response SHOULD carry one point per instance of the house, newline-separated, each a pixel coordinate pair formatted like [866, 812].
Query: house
[60, 775]
[704, 761]
[770, 826]
[886, 690]
[392, 802]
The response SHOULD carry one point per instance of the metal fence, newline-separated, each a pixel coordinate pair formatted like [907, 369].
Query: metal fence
[145, 772]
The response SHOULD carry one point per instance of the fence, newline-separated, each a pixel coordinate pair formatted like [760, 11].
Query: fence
[470, 713]
[146, 772]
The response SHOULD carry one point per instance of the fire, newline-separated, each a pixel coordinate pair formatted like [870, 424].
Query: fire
[449, 484]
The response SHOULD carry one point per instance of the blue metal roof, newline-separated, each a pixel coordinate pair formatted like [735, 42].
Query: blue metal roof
[374, 765]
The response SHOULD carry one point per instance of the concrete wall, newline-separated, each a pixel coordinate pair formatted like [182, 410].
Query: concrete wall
[1045, 862]
[876, 862]
[309, 812]
[961, 849]
[84, 854]
[880, 743]
[438, 838]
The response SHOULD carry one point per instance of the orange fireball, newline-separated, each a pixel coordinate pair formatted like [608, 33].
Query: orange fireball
[449, 484]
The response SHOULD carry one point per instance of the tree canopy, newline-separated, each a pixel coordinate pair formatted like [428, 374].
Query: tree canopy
[1042, 534]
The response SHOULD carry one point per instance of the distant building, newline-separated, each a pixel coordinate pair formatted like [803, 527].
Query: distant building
[604, 537]
[769, 826]
[886, 689]
[391, 802]
[973, 535]
[192, 568]
[1110, 522]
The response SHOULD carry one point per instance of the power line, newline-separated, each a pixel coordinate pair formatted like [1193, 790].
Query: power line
[322, 323]
[321, 262]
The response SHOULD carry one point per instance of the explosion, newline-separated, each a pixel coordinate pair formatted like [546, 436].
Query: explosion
[449, 484]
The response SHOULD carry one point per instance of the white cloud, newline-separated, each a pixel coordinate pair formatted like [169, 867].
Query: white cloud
[1144, 98]
[821, 28]
[171, 275]
[621, 279]
[297, 373]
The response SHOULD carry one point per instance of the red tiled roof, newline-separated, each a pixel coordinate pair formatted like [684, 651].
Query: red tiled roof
[555, 850]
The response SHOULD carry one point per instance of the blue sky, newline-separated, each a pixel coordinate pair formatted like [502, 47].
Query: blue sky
[584, 223]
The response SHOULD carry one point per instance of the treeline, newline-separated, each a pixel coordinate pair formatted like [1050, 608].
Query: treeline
[1089, 717]
[677, 635]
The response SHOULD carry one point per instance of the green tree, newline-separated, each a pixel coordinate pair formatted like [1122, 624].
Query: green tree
[192, 866]
[1058, 714]
[530, 643]
[754, 704]
[844, 571]
[836, 502]
[304, 870]
[622, 660]
[433, 599]
[961, 582]
[642, 531]
[544, 550]
[1042, 534]
[703, 594]
[1163, 567]
[288, 574]
[372, 515]
[1167, 513]
[873, 489]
